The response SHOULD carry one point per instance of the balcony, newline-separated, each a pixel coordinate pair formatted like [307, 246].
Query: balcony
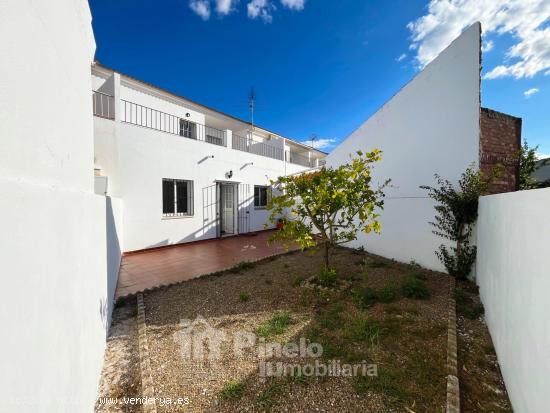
[103, 104]
[300, 160]
[146, 117]
[139, 115]
[259, 148]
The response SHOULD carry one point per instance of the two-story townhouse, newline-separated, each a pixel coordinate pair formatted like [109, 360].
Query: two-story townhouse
[185, 172]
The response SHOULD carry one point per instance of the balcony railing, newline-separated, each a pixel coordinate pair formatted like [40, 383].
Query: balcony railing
[136, 114]
[258, 148]
[155, 119]
[300, 160]
[104, 105]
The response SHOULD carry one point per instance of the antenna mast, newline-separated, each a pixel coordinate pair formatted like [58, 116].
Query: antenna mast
[251, 98]
[313, 139]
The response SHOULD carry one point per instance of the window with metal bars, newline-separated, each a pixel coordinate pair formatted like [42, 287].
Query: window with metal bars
[262, 195]
[177, 197]
[188, 129]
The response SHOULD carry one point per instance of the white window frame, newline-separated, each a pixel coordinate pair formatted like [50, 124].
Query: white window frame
[190, 198]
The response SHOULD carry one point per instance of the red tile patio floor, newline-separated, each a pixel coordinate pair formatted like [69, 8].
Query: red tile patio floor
[169, 265]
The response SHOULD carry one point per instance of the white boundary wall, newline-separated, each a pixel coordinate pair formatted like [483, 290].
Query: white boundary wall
[430, 126]
[513, 274]
[59, 246]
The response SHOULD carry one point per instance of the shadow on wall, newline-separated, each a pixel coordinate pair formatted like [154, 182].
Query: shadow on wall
[209, 210]
[114, 253]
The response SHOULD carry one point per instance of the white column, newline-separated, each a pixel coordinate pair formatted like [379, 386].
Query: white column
[229, 138]
[116, 93]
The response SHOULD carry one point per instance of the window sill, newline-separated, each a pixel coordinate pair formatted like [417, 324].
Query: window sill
[260, 207]
[176, 217]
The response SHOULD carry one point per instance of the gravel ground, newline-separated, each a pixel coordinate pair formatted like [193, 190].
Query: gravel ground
[121, 374]
[481, 386]
[273, 286]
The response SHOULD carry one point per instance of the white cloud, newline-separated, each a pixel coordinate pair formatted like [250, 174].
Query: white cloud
[401, 57]
[201, 8]
[320, 143]
[530, 92]
[524, 20]
[261, 9]
[293, 4]
[486, 46]
[225, 7]
[540, 155]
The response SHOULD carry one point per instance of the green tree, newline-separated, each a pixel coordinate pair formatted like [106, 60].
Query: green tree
[456, 212]
[328, 206]
[527, 165]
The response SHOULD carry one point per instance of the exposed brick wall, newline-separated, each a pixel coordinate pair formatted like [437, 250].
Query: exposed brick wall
[499, 142]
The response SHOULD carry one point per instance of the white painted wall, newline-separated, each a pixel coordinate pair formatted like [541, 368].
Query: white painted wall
[430, 126]
[513, 274]
[58, 246]
[136, 159]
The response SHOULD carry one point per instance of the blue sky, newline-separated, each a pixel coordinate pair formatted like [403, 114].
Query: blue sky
[322, 66]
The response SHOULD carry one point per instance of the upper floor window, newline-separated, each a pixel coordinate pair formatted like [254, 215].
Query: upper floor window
[262, 195]
[188, 129]
[177, 197]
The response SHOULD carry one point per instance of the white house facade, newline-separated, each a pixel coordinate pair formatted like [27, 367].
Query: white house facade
[183, 171]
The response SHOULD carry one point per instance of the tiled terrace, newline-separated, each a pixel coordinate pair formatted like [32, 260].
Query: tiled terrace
[168, 265]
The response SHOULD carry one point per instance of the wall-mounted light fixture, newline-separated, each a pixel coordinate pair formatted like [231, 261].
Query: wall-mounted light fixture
[187, 115]
[229, 175]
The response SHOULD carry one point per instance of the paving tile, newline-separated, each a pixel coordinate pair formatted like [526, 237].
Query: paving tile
[149, 269]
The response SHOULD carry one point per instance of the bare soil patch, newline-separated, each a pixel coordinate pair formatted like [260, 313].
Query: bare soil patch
[404, 337]
[481, 385]
[121, 376]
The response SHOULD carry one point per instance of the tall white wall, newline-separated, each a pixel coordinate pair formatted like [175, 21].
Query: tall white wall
[513, 274]
[430, 126]
[58, 252]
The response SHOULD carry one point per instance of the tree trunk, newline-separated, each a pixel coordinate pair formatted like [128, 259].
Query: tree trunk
[326, 254]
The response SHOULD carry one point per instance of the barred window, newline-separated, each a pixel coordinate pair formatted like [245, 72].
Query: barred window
[177, 197]
[188, 129]
[262, 195]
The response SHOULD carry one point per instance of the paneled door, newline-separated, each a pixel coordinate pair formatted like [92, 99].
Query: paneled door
[228, 209]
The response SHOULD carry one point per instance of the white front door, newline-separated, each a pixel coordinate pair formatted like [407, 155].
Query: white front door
[228, 210]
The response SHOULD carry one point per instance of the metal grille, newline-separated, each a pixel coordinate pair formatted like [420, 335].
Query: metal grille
[103, 104]
[155, 119]
[299, 159]
[258, 148]
[177, 197]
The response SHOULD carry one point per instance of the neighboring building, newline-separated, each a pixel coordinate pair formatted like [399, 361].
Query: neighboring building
[434, 124]
[184, 172]
[500, 144]
[542, 173]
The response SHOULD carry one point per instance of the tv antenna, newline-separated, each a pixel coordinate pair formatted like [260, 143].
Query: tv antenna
[251, 98]
[313, 139]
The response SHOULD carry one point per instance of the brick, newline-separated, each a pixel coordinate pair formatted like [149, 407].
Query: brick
[500, 142]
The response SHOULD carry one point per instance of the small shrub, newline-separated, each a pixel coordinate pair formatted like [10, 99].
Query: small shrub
[365, 329]
[388, 292]
[278, 324]
[368, 297]
[413, 287]
[233, 389]
[242, 266]
[266, 399]
[327, 277]
[466, 306]
[244, 297]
